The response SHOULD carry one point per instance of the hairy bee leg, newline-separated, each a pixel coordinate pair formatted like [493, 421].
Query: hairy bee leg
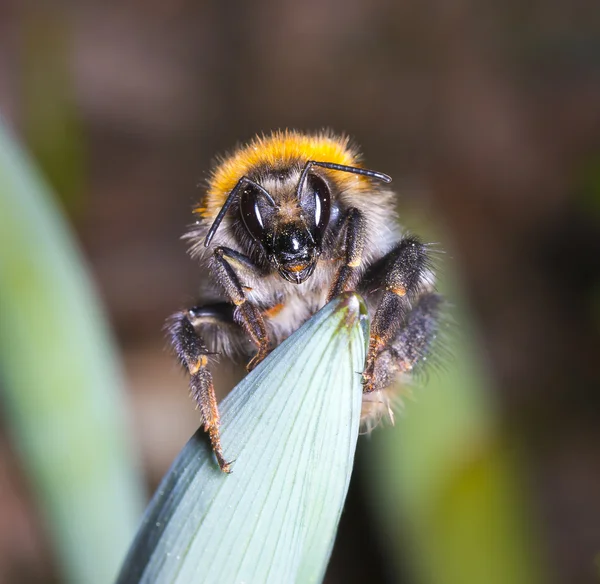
[353, 251]
[411, 344]
[404, 274]
[193, 354]
[224, 265]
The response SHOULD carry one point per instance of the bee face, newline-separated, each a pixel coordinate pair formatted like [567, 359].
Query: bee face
[290, 225]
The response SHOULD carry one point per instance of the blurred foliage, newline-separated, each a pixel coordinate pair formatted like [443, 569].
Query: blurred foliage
[62, 388]
[589, 186]
[446, 485]
[51, 123]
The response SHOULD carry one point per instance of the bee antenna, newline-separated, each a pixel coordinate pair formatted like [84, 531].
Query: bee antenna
[230, 199]
[356, 170]
[343, 168]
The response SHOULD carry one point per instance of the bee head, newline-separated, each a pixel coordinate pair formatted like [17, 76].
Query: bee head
[290, 227]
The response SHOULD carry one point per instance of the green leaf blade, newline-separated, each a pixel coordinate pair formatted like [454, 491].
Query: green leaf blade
[60, 383]
[291, 426]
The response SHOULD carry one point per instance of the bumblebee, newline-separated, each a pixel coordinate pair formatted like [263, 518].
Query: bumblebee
[288, 222]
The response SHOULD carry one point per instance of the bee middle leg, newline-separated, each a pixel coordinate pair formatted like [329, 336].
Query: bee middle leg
[403, 274]
[195, 334]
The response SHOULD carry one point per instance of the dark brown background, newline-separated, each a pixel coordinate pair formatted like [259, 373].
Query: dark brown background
[486, 113]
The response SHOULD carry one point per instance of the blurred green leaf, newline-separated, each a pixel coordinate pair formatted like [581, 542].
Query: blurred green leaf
[51, 123]
[61, 384]
[291, 426]
[446, 488]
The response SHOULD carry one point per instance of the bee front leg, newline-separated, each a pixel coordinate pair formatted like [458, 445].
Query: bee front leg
[188, 331]
[403, 272]
[226, 265]
[354, 243]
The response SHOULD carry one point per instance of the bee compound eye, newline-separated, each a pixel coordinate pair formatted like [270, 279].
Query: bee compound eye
[250, 209]
[321, 201]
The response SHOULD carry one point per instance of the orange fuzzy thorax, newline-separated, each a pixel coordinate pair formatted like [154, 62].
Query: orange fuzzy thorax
[280, 149]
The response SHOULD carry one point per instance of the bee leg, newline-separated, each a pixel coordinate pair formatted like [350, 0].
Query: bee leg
[193, 354]
[404, 274]
[226, 264]
[411, 344]
[353, 250]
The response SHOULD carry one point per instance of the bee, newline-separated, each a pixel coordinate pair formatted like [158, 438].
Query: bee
[288, 222]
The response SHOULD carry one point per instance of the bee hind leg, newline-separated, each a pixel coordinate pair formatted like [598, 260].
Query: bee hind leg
[401, 329]
[408, 350]
[188, 332]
